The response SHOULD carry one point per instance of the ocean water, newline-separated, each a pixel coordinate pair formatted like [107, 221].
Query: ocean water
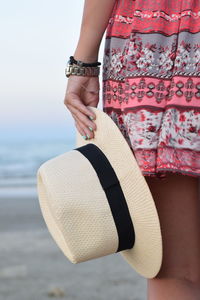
[20, 160]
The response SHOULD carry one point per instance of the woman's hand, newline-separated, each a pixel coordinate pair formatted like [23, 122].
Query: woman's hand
[81, 92]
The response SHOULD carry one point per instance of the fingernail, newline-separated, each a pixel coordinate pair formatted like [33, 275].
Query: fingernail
[90, 128]
[88, 136]
[84, 136]
[91, 117]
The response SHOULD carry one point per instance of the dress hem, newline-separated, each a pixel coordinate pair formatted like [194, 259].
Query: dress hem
[163, 173]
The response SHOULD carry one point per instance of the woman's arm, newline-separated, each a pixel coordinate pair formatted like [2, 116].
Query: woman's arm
[96, 14]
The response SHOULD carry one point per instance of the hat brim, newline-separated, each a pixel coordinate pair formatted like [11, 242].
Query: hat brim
[146, 255]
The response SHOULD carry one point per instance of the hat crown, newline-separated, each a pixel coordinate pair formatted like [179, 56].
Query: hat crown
[78, 219]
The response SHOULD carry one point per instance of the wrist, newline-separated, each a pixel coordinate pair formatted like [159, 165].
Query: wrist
[87, 58]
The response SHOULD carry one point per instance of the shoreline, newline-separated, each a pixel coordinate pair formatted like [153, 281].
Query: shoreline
[33, 267]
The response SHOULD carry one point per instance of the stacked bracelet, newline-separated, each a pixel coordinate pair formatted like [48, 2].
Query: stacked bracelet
[79, 68]
[80, 63]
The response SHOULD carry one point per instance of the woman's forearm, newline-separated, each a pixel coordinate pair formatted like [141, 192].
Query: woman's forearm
[96, 14]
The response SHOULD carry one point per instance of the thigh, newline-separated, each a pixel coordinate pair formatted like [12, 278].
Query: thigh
[178, 203]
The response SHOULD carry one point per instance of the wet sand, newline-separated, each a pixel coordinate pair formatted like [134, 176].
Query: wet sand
[32, 267]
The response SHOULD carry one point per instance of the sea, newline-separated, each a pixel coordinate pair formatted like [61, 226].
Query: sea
[20, 160]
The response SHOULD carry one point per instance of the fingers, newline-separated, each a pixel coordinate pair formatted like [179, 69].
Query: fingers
[79, 128]
[78, 102]
[72, 100]
[86, 127]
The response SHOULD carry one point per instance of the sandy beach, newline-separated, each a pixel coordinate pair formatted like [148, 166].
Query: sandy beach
[32, 267]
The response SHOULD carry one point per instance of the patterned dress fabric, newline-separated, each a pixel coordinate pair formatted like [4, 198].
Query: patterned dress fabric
[151, 82]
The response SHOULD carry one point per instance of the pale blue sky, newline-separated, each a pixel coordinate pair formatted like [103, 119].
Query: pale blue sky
[36, 39]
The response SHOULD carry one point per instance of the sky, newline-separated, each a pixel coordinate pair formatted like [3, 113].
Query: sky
[37, 37]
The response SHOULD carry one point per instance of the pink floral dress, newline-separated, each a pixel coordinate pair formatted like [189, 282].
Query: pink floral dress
[151, 82]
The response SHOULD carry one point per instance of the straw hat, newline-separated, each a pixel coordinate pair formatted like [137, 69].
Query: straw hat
[95, 201]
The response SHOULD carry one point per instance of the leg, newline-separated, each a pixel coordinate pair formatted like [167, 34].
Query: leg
[178, 204]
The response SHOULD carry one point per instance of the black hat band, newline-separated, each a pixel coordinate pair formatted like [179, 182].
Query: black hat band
[114, 194]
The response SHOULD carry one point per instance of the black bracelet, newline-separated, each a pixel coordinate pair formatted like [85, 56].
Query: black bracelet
[72, 60]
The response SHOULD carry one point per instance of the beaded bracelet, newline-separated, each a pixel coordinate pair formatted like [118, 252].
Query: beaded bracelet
[82, 64]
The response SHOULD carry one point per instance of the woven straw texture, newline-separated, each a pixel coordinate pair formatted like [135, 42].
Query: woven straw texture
[76, 210]
[146, 255]
[78, 206]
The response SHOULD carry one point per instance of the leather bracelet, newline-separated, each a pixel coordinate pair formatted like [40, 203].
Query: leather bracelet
[80, 63]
